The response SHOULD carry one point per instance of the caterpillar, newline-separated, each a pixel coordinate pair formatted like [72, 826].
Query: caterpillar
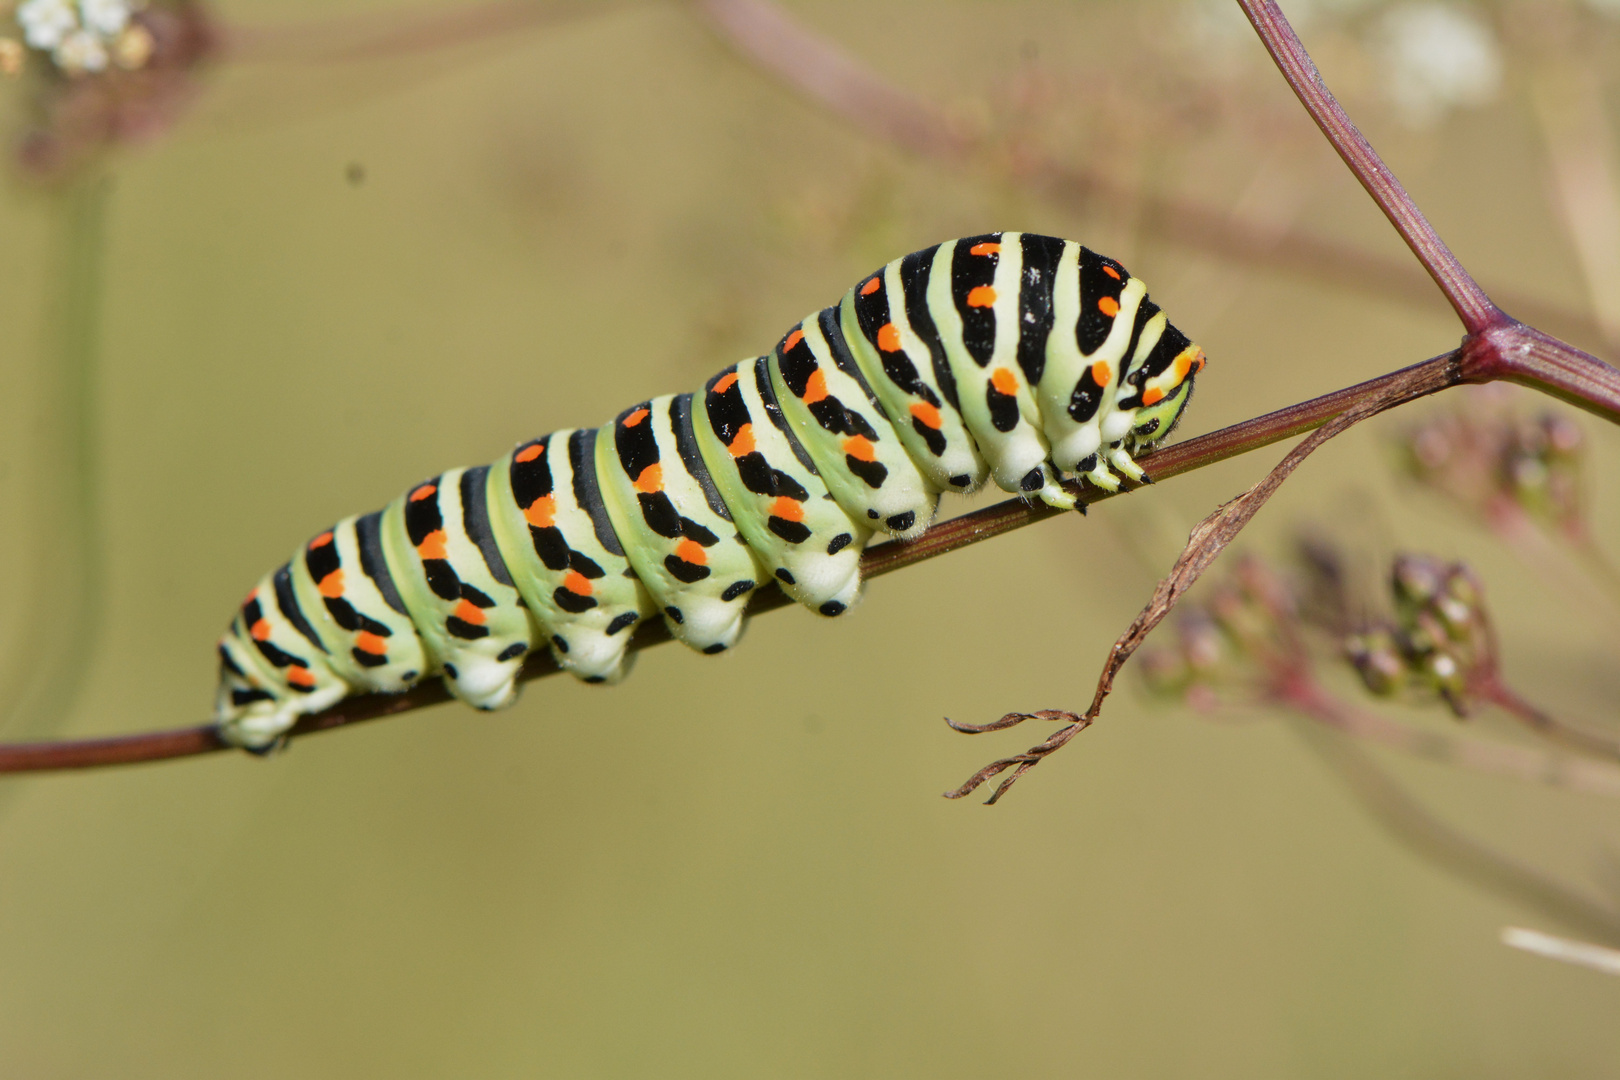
[1013, 357]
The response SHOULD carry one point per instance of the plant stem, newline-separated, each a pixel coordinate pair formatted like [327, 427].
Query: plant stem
[1473, 307]
[881, 559]
[43, 674]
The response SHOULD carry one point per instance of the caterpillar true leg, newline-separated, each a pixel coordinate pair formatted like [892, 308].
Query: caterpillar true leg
[1008, 356]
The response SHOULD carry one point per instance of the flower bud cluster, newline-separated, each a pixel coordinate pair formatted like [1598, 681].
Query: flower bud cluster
[1490, 459]
[1439, 638]
[1247, 618]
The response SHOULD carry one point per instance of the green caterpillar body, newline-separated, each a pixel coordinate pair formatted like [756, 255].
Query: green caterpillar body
[1020, 358]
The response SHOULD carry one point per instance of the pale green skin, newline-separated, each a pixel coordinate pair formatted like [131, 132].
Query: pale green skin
[821, 573]
[817, 578]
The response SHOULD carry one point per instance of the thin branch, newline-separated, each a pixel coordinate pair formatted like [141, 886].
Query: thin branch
[391, 34]
[1300, 692]
[1473, 307]
[830, 77]
[1494, 690]
[1432, 839]
[1209, 538]
[878, 560]
[1579, 953]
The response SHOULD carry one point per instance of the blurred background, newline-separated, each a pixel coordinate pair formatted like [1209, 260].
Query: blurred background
[277, 259]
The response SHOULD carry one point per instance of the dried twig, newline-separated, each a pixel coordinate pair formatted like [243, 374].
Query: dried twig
[1209, 538]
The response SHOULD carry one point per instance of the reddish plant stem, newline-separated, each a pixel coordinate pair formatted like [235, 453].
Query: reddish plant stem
[1473, 307]
[878, 560]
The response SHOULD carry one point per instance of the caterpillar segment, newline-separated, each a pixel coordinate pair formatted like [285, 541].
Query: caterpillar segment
[836, 416]
[457, 587]
[979, 321]
[343, 587]
[807, 542]
[550, 522]
[890, 328]
[1012, 357]
[678, 531]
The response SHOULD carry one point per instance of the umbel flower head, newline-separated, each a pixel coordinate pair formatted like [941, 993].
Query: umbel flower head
[99, 73]
[87, 36]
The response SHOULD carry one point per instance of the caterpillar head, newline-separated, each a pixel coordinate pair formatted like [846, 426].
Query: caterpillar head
[1163, 385]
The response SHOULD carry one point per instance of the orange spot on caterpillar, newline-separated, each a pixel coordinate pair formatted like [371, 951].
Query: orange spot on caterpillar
[788, 509]
[577, 583]
[860, 448]
[1108, 306]
[1152, 396]
[331, 586]
[1004, 381]
[744, 442]
[424, 492]
[928, 415]
[368, 642]
[321, 540]
[432, 545]
[469, 612]
[873, 284]
[984, 249]
[1111, 272]
[981, 296]
[889, 338]
[792, 340]
[727, 381]
[260, 630]
[529, 453]
[691, 551]
[1184, 363]
[540, 513]
[1101, 373]
[651, 479]
[300, 676]
[815, 387]
[635, 418]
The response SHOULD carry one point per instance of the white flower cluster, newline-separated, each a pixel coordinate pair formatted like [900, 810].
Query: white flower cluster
[85, 35]
[1438, 57]
[1431, 56]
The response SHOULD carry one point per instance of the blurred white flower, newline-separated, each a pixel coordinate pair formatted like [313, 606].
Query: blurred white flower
[45, 23]
[81, 51]
[1301, 12]
[80, 36]
[106, 18]
[1437, 57]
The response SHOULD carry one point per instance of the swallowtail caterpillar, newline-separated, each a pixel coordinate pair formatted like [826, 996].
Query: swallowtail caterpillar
[1019, 358]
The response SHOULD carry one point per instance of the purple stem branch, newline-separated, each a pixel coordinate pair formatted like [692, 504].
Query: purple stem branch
[1473, 307]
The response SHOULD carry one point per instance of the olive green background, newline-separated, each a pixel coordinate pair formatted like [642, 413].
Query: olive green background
[737, 866]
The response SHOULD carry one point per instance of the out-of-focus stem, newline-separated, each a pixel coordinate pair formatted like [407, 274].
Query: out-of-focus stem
[1302, 694]
[1579, 953]
[1568, 103]
[1435, 841]
[1492, 689]
[60, 606]
[829, 76]
[1473, 307]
